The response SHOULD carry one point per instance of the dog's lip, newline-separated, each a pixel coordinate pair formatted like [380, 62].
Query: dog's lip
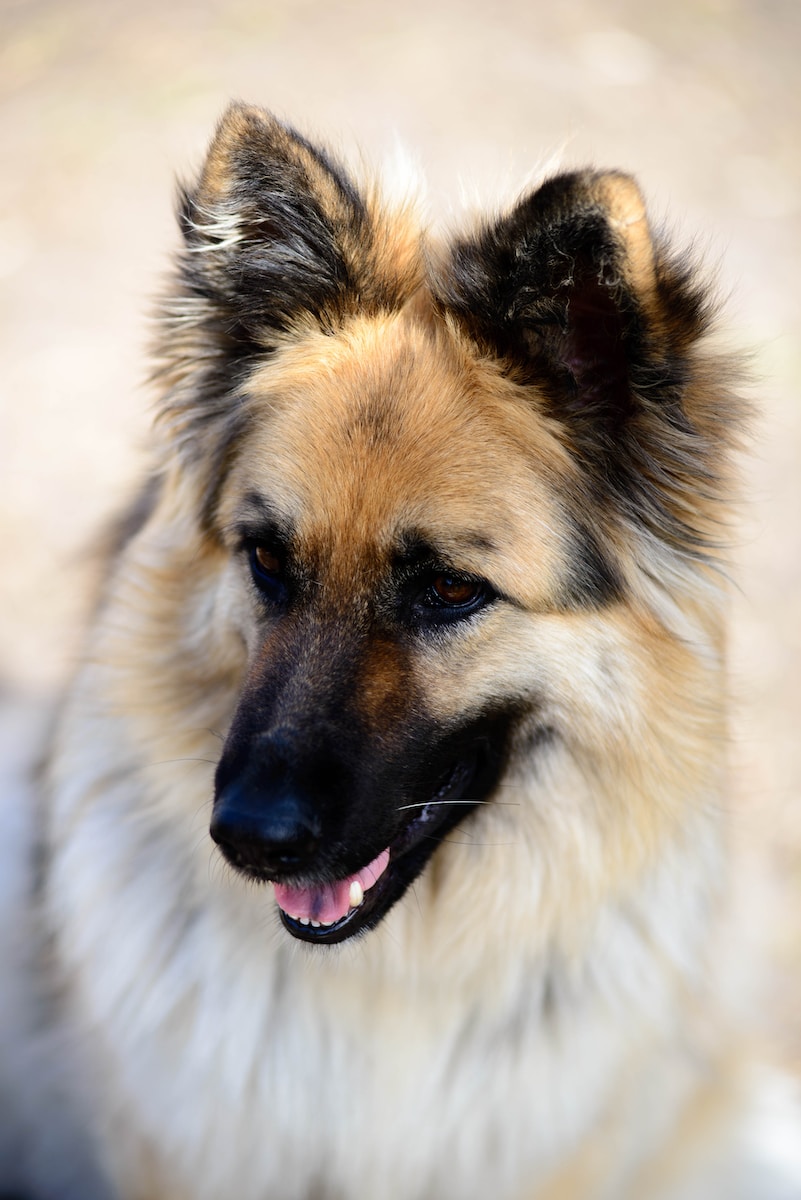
[422, 832]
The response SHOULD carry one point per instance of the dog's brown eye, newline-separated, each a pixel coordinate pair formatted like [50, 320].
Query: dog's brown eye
[269, 562]
[268, 571]
[455, 591]
[436, 597]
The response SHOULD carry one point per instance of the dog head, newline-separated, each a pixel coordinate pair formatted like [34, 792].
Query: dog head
[461, 501]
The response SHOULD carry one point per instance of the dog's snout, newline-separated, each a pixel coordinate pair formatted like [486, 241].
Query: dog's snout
[275, 836]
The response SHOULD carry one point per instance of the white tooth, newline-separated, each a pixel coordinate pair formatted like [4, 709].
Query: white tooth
[315, 924]
[356, 894]
[303, 920]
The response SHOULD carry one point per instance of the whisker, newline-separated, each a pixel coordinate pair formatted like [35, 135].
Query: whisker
[426, 803]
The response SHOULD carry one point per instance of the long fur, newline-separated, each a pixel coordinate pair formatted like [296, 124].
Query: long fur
[535, 406]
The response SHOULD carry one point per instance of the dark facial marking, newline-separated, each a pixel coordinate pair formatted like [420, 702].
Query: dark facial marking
[591, 580]
[413, 546]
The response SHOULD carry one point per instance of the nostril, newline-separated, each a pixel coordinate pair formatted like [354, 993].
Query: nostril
[274, 836]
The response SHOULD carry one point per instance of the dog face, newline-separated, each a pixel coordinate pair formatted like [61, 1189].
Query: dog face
[387, 565]
[460, 502]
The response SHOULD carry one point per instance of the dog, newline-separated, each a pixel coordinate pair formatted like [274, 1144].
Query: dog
[384, 843]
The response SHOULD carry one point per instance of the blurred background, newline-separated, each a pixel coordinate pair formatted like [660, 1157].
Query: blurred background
[102, 103]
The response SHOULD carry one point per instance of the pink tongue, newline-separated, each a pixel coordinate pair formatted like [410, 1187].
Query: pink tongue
[330, 901]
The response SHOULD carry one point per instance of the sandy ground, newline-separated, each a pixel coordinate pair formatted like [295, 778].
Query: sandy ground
[103, 102]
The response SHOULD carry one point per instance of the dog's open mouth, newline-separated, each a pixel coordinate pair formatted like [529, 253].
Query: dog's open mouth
[333, 912]
[325, 894]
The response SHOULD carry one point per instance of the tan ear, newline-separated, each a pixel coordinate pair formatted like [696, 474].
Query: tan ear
[578, 302]
[280, 229]
[255, 164]
[268, 226]
[560, 288]
[277, 240]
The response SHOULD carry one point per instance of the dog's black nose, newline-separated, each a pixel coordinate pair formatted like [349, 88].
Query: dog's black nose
[276, 836]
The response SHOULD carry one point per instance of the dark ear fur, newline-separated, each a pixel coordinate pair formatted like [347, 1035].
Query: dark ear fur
[574, 296]
[277, 237]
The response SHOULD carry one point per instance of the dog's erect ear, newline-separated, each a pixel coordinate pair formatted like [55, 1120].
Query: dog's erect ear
[562, 289]
[573, 295]
[276, 239]
[274, 228]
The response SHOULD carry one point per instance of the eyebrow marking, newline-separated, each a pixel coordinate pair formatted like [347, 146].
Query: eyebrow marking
[415, 546]
[257, 517]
